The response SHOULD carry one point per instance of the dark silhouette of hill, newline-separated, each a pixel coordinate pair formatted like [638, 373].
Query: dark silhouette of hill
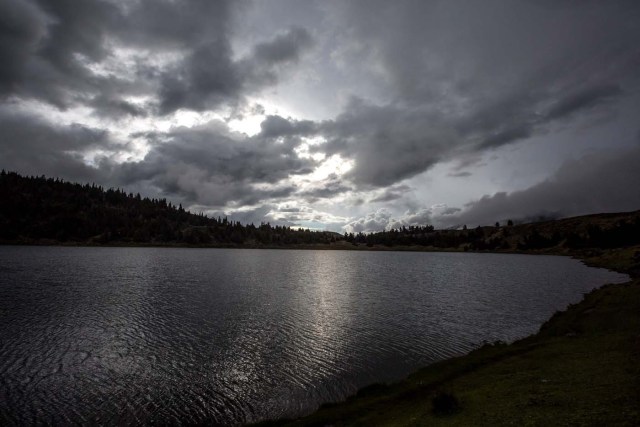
[43, 210]
[610, 230]
[46, 210]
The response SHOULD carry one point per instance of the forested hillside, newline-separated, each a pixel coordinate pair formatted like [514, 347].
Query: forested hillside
[45, 210]
[41, 210]
[603, 231]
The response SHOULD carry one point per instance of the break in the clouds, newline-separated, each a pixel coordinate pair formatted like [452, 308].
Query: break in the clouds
[354, 115]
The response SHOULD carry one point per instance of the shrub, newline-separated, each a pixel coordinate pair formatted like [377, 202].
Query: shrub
[445, 403]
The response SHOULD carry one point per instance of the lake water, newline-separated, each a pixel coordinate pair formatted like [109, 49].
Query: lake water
[222, 336]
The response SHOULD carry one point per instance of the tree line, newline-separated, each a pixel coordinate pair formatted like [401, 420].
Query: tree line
[48, 210]
[40, 209]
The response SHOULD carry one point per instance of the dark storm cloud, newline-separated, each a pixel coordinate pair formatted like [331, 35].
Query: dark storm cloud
[284, 47]
[392, 193]
[51, 50]
[32, 146]
[462, 78]
[388, 143]
[22, 25]
[269, 59]
[178, 55]
[395, 142]
[276, 126]
[330, 187]
[49, 43]
[211, 166]
[76, 28]
[587, 98]
[463, 174]
[208, 76]
[182, 24]
[206, 165]
[505, 136]
[205, 78]
[113, 107]
[599, 182]
[443, 81]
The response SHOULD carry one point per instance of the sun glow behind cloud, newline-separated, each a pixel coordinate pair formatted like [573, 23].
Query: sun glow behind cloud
[249, 125]
[334, 111]
[248, 119]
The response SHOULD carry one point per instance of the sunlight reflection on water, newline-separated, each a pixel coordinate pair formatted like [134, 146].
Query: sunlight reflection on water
[131, 335]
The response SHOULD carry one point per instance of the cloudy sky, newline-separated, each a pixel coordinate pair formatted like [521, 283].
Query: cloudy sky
[342, 115]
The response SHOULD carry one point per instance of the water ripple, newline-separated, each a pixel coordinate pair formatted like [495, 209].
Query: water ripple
[135, 336]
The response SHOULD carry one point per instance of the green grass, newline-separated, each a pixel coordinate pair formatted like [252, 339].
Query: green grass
[582, 368]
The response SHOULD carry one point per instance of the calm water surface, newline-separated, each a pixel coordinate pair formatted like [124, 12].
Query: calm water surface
[149, 335]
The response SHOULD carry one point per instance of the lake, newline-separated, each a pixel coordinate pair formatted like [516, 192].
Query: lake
[224, 336]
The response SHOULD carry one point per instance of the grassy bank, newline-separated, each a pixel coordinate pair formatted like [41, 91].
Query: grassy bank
[582, 368]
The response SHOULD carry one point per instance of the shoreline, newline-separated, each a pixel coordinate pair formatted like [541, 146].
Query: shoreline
[409, 401]
[342, 246]
[612, 312]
